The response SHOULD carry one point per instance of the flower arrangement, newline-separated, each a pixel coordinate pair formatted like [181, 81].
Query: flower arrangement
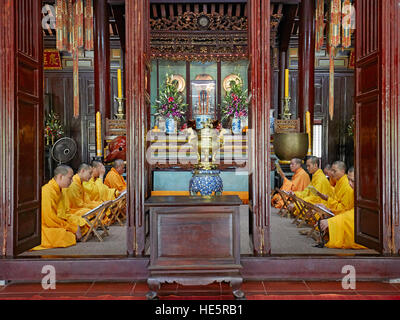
[236, 101]
[53, 128]
[170, 104]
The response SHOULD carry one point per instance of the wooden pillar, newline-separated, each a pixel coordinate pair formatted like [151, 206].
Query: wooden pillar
[137, 46]
[102, 59]
[260, 70]
[283, 64]
[306, 62]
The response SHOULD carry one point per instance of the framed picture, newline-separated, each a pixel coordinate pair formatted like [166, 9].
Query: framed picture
[204, 100]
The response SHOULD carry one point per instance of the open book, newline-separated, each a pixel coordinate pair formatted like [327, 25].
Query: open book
[313, 190]
[325, 210]
[100, 206]
[121, 195]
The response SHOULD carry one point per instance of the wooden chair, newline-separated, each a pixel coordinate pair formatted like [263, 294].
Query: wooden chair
[118, 211]
[286, 200]
[303, 210]
[94, 219]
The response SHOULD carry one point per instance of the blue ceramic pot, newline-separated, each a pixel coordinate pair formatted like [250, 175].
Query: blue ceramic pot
[206, 182]
[170, 125]
[236, 125]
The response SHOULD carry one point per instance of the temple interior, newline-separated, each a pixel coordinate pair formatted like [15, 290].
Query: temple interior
[201, 47]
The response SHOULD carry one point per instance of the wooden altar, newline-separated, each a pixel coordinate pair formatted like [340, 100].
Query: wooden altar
[194, 241]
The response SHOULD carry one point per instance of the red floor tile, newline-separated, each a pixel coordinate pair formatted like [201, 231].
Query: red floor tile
[140, 288]
[71, 287]
[273, 287]
[376, 287]
[212, 288]
[122, 288]
[22, 288]
[317, 287]
[253, 286]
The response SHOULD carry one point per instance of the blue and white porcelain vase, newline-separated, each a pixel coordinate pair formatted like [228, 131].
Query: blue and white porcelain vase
[170, 126]
[236, 125]
[206, 182]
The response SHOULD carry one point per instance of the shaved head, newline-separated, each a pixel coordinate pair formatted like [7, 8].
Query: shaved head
[118, 163]
[338, 170]
[340, 165]
[312, 165]
[96, 164]
[62, 170]
[314, 160]
[84, 166]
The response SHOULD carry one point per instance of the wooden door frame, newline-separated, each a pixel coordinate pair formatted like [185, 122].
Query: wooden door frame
[135, 268]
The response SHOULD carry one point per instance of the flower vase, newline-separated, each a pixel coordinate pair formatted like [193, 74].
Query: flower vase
[236, 125]
[170, 127]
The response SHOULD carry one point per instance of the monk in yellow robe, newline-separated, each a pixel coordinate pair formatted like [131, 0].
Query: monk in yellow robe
[343, 197]
[341, 227]
[95, 189]
[299, 182]
[74, 196]
[114, 178]
[57, 232]
[329, 174]
[319, 183]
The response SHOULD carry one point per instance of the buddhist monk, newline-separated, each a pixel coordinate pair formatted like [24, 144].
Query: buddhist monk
[114, 178]
[341, 227]
[329, 175]
[95, 189]
[319, 183]
[343, 196]
[57, 232]
[75, 199]
[299, 182]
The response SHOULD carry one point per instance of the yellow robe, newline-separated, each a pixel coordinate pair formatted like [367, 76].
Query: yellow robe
[75, 201]
[299, 182]
[341, 231]
[96, 190]
[56, 232]
[343, 197]
[114, 180]
[319, 182]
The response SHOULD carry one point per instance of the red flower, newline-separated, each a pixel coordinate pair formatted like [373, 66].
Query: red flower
[171, 99]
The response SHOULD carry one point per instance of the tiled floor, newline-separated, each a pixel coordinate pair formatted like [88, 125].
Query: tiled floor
[254, 290]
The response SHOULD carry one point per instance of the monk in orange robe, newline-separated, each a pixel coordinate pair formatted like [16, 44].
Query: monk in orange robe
[114, 178]
[299, 182]
[57, 232]
[341, 227]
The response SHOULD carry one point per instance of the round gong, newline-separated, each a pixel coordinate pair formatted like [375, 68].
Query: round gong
[290, 145]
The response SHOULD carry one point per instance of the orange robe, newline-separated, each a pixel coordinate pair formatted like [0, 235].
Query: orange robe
[114, 180]
[56, 232]
[299, 182]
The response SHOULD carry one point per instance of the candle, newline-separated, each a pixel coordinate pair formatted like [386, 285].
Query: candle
[98, 134]
[119, 84]
[286, 83]
[308, 131]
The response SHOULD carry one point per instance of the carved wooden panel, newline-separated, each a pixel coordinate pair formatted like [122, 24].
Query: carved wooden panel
[368, 98]
[29, 125]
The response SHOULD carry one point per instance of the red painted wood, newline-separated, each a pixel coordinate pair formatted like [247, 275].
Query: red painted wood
[28, 127]
[377, 159]
[306, 62]
[254, 268]
[260, 77]
[102, 60]
[136, 112]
